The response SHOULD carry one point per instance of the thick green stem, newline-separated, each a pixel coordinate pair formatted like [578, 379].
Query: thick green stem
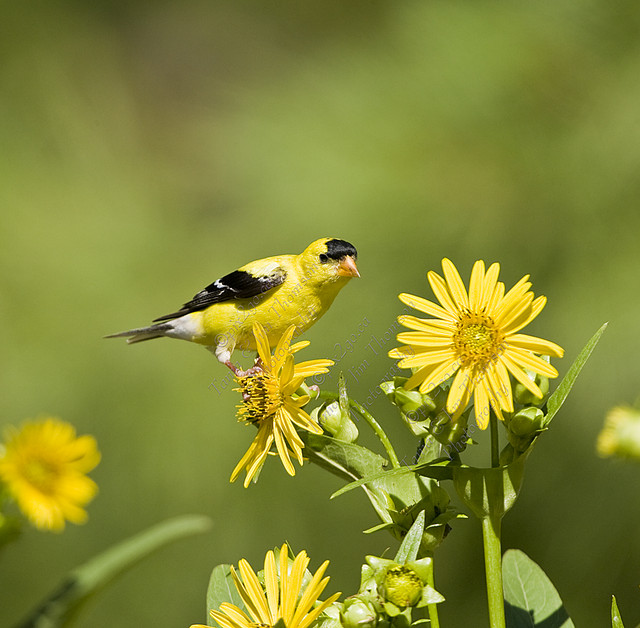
[493, 570]
[373, 424]
[432, 608]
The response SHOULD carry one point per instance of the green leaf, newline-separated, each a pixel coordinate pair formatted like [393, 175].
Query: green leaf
[564, 388]
[616, 620]
[438, 469]
[350, 462]
[490, 491]
[221, 589]
[531, 600]
[346, 460]
[430, 450]
[370, 479]
[62, 607]
[408, 550]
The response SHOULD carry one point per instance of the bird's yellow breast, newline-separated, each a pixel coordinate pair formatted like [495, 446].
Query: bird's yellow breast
[300, 300]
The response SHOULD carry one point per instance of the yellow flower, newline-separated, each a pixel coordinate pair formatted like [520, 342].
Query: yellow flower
[620, 435]
[271, 404]
[44, 467]
[284, 595]
[473, 336]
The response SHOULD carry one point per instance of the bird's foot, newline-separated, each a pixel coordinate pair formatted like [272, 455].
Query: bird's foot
[256, 368]
[234, 369]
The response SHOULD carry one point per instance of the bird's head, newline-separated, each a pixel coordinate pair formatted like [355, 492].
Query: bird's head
[329, 259]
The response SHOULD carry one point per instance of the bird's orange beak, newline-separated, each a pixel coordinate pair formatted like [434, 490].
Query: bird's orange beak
[347, 267]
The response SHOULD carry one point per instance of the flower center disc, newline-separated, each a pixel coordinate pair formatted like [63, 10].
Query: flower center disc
[477, 340]
[262, 396]
[41, 474]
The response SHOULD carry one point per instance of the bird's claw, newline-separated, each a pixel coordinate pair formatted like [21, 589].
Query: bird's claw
[255, 369]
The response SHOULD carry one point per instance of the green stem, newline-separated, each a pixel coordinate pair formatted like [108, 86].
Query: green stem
[432, 608]
[373, 424]
[493, 570]
[495, 442]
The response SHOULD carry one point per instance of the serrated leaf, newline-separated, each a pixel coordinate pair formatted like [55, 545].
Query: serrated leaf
[531, 600]
[408, 550]
[221, 589]
[616, 620]
[559, 395]
[62, 607]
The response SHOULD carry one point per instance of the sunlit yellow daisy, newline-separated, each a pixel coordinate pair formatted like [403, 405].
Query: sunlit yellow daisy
[284, 595]
[473, 336]
[44, 467]
[270, 402]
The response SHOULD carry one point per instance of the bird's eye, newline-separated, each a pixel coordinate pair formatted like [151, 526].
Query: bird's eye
[324, 257]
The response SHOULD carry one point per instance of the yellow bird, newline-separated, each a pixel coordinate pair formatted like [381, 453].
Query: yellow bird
[276, 292]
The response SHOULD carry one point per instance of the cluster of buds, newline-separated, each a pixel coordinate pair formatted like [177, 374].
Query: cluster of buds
[527, 422]
[388, 592]
[425, 414]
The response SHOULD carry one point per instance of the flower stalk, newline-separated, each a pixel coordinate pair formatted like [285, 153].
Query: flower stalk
[432, 608]
[491, 525]
[373, 424]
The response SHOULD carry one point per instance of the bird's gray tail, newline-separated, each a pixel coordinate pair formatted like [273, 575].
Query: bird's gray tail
[143, 333]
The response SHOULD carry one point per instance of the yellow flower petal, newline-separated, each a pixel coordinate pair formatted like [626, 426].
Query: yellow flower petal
[481, 404]
[263, 346]
[281, 352]
[271, 583]
[432, 325]
[441, 290]
[458, 389]
[455, 284]
[532, 362]
[425, 306]
[536, 307]
[537, 345]
[521, 376]
[439, 375]
[425, 358]
[422, 340]
[476, 285]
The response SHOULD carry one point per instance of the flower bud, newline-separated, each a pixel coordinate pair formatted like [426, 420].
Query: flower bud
[335, 422]
[524, 396]
[526, 422]
[401, 586]
[358, 613]
[409, 401]
[523, 427]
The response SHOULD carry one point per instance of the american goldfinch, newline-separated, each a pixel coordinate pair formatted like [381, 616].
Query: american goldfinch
[276, 292]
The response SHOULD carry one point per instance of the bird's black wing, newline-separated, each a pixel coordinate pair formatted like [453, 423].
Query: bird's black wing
[239, 284]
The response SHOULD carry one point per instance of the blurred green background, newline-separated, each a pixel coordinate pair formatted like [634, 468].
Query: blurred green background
[147, 148]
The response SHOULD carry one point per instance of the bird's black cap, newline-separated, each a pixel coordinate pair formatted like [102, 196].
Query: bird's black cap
[337, 249]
